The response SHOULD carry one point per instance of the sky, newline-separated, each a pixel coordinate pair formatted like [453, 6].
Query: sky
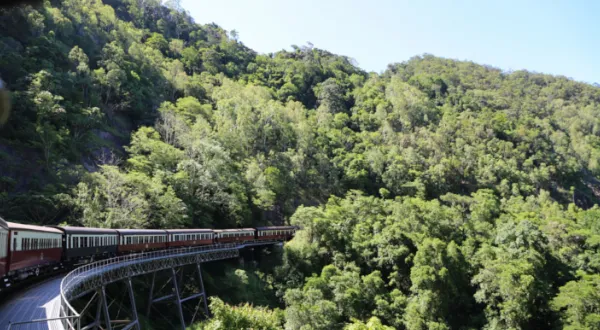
[556, 37]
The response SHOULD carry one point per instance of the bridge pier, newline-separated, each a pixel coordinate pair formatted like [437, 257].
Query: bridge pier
[103, 301]
[135, 322]
[204, 298]
[177, 296]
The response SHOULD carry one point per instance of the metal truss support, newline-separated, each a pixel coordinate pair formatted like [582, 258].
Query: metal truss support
[135, 323]
[148, 310]
[104, 303]
[203, 292]
[177, 279]
[178, 298]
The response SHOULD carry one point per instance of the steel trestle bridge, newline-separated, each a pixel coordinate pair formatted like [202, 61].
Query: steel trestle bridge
[92, 279]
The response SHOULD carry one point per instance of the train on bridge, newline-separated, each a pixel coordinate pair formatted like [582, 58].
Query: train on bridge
[28, 250]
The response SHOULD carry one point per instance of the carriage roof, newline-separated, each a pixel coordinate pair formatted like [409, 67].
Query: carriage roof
[86, 230]
[20, 226]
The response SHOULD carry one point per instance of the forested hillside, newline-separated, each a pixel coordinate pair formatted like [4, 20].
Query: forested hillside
[439, 194]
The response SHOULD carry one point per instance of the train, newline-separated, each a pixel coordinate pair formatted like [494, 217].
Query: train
[29, 250]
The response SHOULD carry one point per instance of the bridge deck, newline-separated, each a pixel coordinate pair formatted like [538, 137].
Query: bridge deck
[40, 301]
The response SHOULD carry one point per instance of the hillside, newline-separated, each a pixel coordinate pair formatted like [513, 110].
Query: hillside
[439, 194]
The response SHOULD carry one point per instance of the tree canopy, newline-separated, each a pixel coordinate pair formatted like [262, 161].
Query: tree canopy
[438, 194]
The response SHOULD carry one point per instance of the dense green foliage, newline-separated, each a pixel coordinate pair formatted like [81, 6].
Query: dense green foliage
[226, 317]
[438, 194]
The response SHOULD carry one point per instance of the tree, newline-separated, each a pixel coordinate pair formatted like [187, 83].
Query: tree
[579, 302]
[239, 317]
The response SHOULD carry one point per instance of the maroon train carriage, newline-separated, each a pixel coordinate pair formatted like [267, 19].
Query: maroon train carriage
[32, 250]
[189, 237]
[277, 233]
[234, 235]
[140, 240]
[3, 251]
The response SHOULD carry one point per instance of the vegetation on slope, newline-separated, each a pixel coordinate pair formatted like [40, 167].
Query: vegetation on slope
[439, 194]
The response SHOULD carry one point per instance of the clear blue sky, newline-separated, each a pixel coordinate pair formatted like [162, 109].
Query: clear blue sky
[557, 37]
